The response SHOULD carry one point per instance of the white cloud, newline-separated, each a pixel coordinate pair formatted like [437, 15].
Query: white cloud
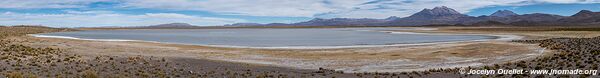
[27, 4]
[107, 19]
[330, 8]
[289, 8]
[87, 12]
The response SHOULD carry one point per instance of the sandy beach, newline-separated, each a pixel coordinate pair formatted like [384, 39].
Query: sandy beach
[398, 58]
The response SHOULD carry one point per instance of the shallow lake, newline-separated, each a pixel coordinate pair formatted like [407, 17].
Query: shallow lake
[300, 37]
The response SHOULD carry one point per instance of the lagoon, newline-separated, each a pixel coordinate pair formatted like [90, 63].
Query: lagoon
[270, 37]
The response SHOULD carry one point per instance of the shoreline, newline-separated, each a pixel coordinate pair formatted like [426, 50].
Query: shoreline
[412, 57]
[496, 37]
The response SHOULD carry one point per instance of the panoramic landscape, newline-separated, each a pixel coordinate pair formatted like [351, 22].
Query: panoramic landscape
[299, 39]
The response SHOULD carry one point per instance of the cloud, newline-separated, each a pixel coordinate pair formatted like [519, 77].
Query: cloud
[29, 4]
[330, 8]
[289, 8]
[87, 12]
[101, 18]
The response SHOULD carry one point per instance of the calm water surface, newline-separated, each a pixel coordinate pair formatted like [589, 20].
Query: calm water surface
[271, 37]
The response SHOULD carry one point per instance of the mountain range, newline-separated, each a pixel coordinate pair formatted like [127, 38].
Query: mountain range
[443, 15]
[159, 26]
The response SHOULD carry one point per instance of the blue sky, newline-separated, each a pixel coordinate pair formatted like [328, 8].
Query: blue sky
[93, 13]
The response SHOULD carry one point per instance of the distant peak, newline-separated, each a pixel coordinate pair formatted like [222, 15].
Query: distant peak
[426, 9]
[584, 13]
[440, 10]
[318, 19]
[441, 7]
[503, 13]
[392, 18]
[244, 24]
[171, 25]
[175, 24]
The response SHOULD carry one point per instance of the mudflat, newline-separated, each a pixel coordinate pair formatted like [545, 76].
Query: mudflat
[371, 59]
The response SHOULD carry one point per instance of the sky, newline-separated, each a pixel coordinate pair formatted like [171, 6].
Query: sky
[95, 13]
